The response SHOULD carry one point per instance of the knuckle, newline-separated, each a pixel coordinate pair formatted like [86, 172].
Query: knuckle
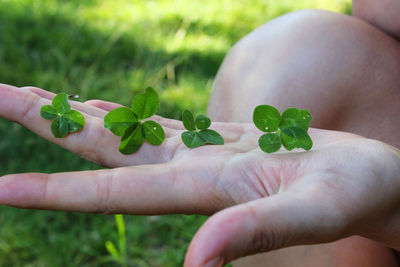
[261, 239]
[262, 242]
[103, 196]
[31, 102]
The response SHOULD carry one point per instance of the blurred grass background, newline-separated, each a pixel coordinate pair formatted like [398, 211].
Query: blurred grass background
[112, 50]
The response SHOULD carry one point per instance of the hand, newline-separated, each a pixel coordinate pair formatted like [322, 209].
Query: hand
[347, 185]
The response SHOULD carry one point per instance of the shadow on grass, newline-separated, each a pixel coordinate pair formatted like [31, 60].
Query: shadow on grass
[38, 49]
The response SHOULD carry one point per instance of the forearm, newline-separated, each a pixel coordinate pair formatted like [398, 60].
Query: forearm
[384, 14]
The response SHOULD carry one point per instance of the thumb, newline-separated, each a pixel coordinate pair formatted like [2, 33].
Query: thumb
[263, 225]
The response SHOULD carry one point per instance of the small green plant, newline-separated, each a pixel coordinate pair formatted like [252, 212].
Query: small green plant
[127, 122]
[289, 130]
[118, 255]
[198, 133]
[64, 119]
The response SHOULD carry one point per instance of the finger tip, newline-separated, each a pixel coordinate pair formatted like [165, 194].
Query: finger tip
[211, 244]
[21, 189]
[7, 191]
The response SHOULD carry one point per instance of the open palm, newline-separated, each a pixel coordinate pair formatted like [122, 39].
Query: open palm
[266, 201]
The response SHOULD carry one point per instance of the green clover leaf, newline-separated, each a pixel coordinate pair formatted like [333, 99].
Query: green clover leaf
[48, 112]
[60, 103]
[296, 137]
[75, 120]
[146, 105]
[188, 120]
[119, 120]
[296, 117]
[295, 132]
[270, 142]
[192, 139]
[211, 136]
[59, 127]
[132, 140]
[64, 120]
[266, 118]
[153, 133]
[289, 130]
[198, 133]
[127, 122]
[202, 122]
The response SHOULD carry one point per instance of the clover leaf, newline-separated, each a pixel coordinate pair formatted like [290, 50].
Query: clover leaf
[198, 133]
[146, 105]
[296, 117]
[132, 140]
[153, 133]
[127, 122]
[119, 120]
[192, 139]
[291, 142]
[289, 130]
[64, 120]
[266, 118]
[188, 120]
[75, 120]
[270, 142]
[202, 122]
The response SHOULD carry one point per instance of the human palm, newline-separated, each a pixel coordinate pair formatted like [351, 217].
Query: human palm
[264, 201]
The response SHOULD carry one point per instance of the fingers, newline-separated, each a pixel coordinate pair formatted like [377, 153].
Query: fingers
[40, 92]
[147, 189]
[262, 225]
[104, 105]
[94, 142]
[88, 109]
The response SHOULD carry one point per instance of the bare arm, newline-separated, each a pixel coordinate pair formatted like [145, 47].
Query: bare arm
[384, 14]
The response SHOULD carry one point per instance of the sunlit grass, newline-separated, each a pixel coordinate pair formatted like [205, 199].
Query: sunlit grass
[153, 35]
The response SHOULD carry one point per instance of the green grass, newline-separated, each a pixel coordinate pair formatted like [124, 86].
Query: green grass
[111, 50]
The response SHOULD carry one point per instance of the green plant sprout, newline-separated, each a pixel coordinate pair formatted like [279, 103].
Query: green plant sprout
[289, 130]
[127, 122]
[64, 119]
[198, 133]
[118, 255]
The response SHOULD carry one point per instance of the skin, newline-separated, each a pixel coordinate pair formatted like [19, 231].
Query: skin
[383, 14]
[259, 202]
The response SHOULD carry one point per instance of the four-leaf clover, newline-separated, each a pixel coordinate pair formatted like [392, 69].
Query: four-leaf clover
[289, 130]
[64, 120]
[198, 133]
[127, 122]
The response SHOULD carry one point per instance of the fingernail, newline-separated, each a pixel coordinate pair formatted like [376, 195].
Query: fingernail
[216, 262]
